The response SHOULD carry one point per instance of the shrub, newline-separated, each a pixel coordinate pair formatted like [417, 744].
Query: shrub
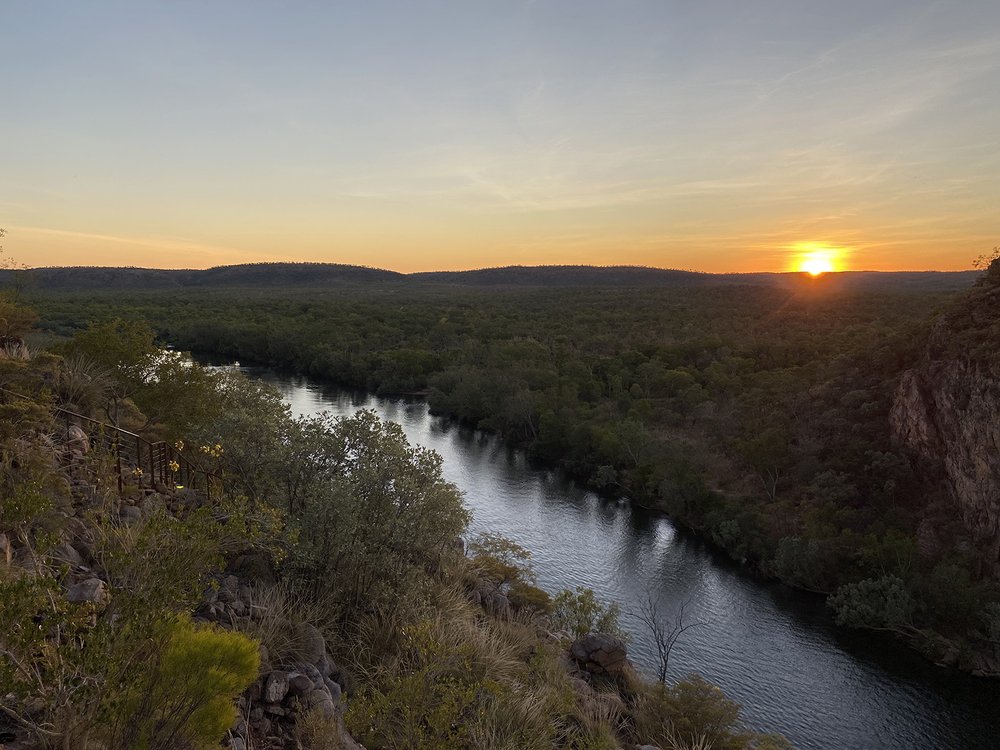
[580, 613]
[186, 697]
[500, 561]
[692, 714]
[314, 730]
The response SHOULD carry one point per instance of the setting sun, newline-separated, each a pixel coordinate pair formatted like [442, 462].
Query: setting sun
[817, 265]
[816, 260]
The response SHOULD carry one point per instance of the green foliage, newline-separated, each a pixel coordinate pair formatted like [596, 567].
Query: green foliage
[694, 713]
[755, 415]
[882, 603]
[126, 349]
[500, 561]
[186, 695]
[523, 595]
[79, 661]
[581, 612]
[454, 679]
[316, 731]
[15, 319]
[371, 511]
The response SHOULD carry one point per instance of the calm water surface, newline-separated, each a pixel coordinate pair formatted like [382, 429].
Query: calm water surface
[772, 649]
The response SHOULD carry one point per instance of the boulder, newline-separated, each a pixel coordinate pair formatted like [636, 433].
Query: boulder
[275, 686]
[300, 684]
[129, 515]
[275, 709]
[325, 666]
[153, 505]
[310, 643]
[66, 553]
[77, 440]
[599, 653]
[89, 590]
[334, 689]
[497, 604]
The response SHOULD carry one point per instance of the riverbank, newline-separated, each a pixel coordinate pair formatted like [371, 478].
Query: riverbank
[273, 609]
[937, 649]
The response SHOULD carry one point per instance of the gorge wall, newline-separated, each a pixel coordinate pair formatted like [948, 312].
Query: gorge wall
[946, 411]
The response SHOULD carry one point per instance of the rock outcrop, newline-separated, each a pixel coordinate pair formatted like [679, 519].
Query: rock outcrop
[946, 411]
[600, 654]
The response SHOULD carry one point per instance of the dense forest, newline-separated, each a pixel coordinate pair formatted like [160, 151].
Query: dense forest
[757, 414]
[184, 565]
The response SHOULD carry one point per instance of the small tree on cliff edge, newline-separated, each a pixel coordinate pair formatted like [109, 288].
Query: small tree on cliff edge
[990, 262]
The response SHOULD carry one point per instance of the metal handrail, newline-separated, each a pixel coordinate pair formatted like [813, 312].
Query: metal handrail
[152, 459]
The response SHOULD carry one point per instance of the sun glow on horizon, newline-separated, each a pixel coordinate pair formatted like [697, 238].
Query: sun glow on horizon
[816, 260]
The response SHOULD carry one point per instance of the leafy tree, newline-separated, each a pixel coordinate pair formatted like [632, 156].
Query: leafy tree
[882, 603]
[375, 516]
[580, 612]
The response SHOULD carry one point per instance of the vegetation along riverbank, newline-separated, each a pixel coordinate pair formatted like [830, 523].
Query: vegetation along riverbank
[775, 415]
[184, 564]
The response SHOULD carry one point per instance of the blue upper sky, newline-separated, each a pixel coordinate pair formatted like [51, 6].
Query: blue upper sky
[417, 135]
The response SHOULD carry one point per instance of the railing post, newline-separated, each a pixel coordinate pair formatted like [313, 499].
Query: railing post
[118, 464]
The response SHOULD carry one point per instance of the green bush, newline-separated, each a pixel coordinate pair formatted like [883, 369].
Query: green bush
[580, 612]
[694, 713]
[186, 696]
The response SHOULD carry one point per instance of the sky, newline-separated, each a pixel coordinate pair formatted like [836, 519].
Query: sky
[718, 135]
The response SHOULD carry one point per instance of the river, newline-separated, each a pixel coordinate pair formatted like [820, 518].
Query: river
[774, 650]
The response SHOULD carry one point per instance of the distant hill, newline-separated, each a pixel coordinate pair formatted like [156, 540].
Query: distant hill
[564, 276]
[246, 275]
[314, 275]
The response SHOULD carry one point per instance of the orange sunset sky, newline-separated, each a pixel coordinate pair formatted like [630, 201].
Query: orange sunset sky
[717, 136]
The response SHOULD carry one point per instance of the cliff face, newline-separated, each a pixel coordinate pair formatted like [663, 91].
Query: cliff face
[946, 410]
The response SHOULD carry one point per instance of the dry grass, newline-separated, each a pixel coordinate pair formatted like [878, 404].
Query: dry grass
[313, 730]
[275, 612]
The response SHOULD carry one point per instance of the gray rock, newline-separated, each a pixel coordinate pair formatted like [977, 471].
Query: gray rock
[323, 700]
[237, 743]
[275, 709]
[6, 550]
[317, 696]
[66, 553]
[599, 653]
[311, 672]
[310, 642]
[239, 727]
[129, 515]
[326, 666]
[334, 689]
[77, 440]
[89, 590]
[153, 505]
[275, 687]
[328, 707]
[498, 604]
[300, 684]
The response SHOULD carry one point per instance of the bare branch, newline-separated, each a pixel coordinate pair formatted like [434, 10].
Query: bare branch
[666, 630]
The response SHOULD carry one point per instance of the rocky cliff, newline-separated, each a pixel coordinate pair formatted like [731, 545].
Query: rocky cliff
[946, 410]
